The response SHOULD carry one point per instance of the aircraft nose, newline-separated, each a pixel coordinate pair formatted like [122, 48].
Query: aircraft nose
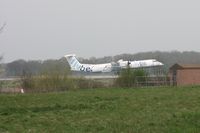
[157, 63]
[160, 63]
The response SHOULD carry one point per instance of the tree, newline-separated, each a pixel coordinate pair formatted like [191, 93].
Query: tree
[1, 69]
[2, 27]
[1, 57]
[131, 77]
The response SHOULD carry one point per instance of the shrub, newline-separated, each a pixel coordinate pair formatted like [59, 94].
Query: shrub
[130, 77]
[82, 83]
[55, 80]
[49, 80]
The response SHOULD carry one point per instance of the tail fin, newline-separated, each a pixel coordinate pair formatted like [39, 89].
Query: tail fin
[73, 62]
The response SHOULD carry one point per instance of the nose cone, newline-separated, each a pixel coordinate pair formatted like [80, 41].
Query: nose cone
[157, 63]
[160, 63]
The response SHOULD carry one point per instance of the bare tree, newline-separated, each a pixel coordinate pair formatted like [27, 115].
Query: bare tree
[1, 69]
[2, 27]
[1, 57]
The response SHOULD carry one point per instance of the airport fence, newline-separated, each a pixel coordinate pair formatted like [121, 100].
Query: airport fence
[152, 81]
[54, 83]
[142, 81]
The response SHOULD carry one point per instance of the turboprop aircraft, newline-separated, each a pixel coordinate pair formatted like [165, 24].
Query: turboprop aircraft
[139, 63]
[77, 66]
[108, 67]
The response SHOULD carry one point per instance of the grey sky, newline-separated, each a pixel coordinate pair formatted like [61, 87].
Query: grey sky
[42, 29]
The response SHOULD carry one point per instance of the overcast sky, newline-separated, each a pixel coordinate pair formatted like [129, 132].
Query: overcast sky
[43, 29]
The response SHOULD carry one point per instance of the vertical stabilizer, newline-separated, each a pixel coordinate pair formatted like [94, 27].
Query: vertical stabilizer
[73, 62]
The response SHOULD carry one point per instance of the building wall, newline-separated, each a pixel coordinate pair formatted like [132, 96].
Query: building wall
[188, 77]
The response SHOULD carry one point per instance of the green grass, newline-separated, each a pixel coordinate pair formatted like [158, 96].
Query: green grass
[144, 110]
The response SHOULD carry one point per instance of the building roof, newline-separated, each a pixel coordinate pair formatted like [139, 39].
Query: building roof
[185, 66]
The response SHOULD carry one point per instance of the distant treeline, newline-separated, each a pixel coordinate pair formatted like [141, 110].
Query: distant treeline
[18, 67]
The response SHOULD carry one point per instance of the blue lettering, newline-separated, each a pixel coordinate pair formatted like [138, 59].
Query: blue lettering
[82, 68]
[88, 69]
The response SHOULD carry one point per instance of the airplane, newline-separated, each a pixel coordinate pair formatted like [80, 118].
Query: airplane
[139, 63]
[108, 67]
[77, 66]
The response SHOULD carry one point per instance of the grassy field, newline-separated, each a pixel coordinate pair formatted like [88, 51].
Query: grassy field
[144, 110]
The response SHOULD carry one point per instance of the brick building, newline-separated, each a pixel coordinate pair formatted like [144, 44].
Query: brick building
[181, 74]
